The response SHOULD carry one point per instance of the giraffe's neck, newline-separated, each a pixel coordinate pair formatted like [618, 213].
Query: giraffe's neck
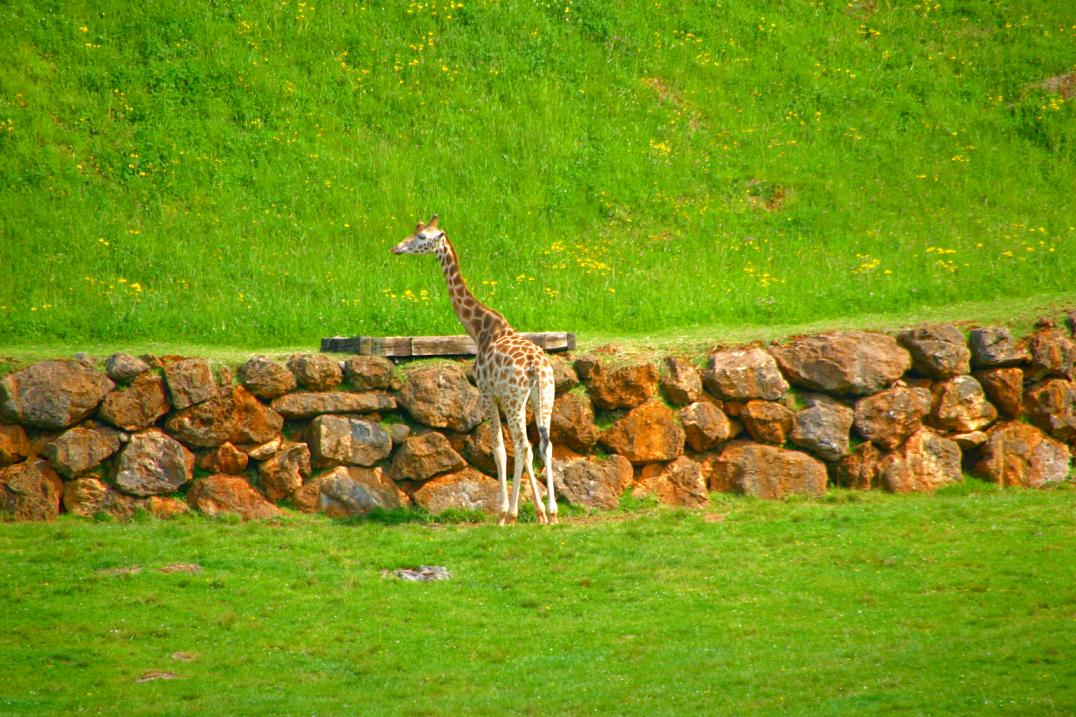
[481, 322]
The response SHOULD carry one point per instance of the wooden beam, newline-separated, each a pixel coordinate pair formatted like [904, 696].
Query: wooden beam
[417, 346]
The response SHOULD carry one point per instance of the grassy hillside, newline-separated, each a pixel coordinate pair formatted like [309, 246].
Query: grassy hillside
[863, 604]
[228, 173]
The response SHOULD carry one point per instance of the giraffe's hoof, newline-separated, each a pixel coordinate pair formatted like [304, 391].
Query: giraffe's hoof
[552, 518]
[502, 519]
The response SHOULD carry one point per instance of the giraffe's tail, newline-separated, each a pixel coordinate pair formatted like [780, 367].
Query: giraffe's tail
[539, 413]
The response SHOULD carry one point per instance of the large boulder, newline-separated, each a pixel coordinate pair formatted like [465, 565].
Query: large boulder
[255, 423]
[223, 494]
[995, 346]
[854, 362]
[937, 351]
[476, 447]
[924, 463]
[467, 489]
[206, 424]
[1052, 407]
[1004, 388]
[124, 368]
[347, 440]
[52, 394]
[768, 471]
[681, 382]
[14, 444]
[565, 377]
[861, 468]
[367, 373]
[190, 382]
[136, 406]
[348, 491]
[425, 456]
[30, 490]
[305, 404]
[889, 417]
[706, 426]
[233, 414]
[959, 405]
[89, 496]
[81, 448]
[647, 434]
[441, 397]
[624, 386]
[744, 375]
[316, 372]
[1053, 355]
[823, 427]
[1019, 454]
[283, 473]
[677, 483]
[767, 421]
[266, 378]
[593, 482]
[572, 422]
[153, 463]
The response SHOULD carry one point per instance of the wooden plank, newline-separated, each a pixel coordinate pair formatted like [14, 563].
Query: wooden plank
[392, 346]
[443, 346]
[408, 346]
[553, 340]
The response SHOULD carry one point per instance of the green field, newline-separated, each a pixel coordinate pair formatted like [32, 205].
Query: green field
[234, 174]
[859, 604]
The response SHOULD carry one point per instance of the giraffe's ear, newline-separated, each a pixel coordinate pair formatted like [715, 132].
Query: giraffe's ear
[433, 221]
[419, 227]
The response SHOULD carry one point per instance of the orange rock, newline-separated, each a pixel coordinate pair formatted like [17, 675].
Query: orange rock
[423, 457]
[30, 491]
[888, 417]
[1018, 454]
[14, 444]
[681, 382]
[959, 405]
[767, 421]
[137, 406]
[621, 387]
[647, 434]
[283, 473]
[592, 482]
[572, 423]
[861, 469]
[467, 489]
[1004, 388]
[226, 458]
[923, 464]
[677, 483]
[219, 494]
[768, 471]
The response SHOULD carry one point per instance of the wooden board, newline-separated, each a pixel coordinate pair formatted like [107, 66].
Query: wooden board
[417, 346]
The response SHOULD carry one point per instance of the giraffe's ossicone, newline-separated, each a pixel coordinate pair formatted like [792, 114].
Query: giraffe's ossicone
[510, 371]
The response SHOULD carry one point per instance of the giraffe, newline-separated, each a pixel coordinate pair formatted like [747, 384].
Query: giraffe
[510, 370]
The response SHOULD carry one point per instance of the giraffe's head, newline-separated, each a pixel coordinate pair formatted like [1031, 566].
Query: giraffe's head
[426, 239]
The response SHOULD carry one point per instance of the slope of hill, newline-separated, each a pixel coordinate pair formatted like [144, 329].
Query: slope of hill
[229, 173]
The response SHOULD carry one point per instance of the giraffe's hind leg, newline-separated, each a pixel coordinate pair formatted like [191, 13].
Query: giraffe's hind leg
[543, 395]
[516, 418]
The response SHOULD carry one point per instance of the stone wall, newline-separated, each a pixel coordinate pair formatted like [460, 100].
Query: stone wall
[904, 413]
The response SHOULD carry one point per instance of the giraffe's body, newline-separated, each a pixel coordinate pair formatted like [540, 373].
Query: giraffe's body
[510, 370]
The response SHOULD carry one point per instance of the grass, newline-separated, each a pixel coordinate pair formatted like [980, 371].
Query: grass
[865, 604]
[234, 174]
